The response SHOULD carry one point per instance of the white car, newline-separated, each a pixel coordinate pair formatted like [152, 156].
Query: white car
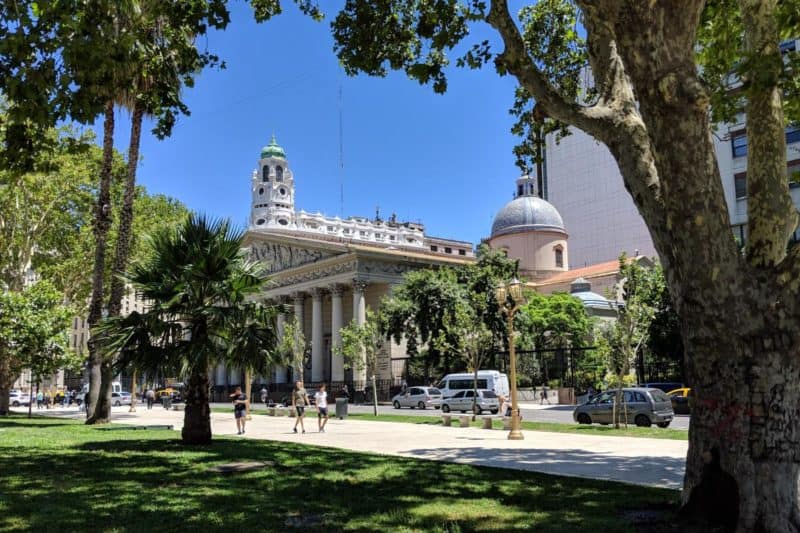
[120, 398]
[18, 398]
[421, 397]
[463, 401]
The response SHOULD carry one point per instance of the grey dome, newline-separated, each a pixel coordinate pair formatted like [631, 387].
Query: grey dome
[527, 213]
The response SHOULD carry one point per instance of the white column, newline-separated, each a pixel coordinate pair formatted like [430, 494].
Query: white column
[360, 316]
[299, 298]
[337, 363]
[317, 364]
[280, 370]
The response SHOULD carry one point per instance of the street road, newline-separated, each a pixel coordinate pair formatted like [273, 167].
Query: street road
[531, 412]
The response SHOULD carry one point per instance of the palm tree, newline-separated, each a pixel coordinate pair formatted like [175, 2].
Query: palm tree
[201, 291]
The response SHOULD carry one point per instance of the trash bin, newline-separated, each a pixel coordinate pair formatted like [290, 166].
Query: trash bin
[341, 408]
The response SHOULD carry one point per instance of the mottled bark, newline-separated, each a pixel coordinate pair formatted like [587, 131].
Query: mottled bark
[197, 414]
[102, 411]
[771, 214]
[102, 222]
[740, 319]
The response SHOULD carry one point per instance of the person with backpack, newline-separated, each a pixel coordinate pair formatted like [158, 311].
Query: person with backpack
[239, 409]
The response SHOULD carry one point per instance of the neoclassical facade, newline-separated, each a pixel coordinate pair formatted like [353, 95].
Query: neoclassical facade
[329, 271]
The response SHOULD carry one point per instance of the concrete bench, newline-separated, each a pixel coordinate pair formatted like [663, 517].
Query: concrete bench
[179, 407]
[447, 420]
[464, 420]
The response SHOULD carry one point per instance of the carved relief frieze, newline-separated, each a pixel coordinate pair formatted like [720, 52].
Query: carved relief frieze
[278, 257]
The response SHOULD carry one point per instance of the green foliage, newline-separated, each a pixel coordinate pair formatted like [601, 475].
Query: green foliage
[198, 285]
[49, 75]
[33, 332]
[552, 321]
[438, 306]
[725, 62]
[361, 344]
[291, 348]
[550, 32]
[375, 36]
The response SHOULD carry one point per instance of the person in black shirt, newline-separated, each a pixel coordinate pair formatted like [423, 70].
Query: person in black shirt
[239, 409]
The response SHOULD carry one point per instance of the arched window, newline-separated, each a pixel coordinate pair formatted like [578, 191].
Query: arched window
[265, 173]
[279, 173]
[559, 258]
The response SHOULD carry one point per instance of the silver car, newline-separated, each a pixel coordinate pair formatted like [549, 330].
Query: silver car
[120, 398]
[462, 401]
[421, 397]
[643, 407]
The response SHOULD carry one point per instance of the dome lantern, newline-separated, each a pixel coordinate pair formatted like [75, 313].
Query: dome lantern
[273, 149]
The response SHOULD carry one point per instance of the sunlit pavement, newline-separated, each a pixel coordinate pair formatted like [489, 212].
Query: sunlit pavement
[655, 462]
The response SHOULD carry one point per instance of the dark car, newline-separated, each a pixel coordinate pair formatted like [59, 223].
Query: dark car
[665, 386]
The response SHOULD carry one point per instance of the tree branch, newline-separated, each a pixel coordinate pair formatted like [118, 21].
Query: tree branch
[771, 214]
[516, 60]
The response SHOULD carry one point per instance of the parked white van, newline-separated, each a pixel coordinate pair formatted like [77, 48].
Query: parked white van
[492, 380]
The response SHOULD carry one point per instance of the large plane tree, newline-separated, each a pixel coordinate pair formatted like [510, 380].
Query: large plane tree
[651, 106]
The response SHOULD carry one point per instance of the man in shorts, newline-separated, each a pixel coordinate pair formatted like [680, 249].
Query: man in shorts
[239, 409]
[299, 402]
[321, 401]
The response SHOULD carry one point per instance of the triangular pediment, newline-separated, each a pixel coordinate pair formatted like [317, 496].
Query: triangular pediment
[283, 252]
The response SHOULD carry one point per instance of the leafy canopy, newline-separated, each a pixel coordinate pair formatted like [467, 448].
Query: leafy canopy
[201, 289]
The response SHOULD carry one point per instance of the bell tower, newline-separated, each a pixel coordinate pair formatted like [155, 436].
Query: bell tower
[272, 204]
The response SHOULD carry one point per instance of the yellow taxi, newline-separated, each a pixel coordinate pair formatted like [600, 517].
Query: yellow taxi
[680, 400]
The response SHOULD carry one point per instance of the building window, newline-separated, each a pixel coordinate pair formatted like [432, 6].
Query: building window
[265, 173]
[261, 191]
[391, 237]
[283, 222]
[260, 222]
[330, 228]
[462, 252]
[740, 184]
[282, 191]
[434, 248]
[279, 173]
[559, 258]
[739, 143]
[519, 190]
[792, 134]
[448, 250]
[362, 233]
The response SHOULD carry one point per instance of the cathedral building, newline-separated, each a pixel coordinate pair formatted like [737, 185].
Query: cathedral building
[330, 270]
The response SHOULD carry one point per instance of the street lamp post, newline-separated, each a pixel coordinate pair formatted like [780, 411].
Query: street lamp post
[510, 298]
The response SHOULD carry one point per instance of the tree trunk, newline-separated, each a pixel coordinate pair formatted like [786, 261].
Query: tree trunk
[6, 380]
[102, 411]
[197, 414]
[102, 222]
[4, 397]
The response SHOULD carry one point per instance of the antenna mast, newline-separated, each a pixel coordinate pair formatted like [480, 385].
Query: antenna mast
[341, 153]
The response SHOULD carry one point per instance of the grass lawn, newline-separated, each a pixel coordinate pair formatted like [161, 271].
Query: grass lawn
[59, 475]
[553, 427]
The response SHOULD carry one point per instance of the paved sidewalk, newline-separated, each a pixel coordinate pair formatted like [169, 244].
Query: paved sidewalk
[655, 462]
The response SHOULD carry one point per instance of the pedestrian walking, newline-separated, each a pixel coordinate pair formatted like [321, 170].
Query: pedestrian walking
[299, 403]
[543, 396]
[150, 396]
[505, 406]
[239, 409]
[264, 396]
[39, 400]
[321, 402]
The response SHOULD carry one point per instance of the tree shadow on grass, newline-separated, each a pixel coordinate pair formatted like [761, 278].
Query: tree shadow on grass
[665, 472]
[121, 481]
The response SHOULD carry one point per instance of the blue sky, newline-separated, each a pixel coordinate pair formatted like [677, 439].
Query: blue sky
[445, 160]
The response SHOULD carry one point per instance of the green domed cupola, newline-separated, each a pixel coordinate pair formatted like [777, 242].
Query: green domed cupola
[273, 150]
